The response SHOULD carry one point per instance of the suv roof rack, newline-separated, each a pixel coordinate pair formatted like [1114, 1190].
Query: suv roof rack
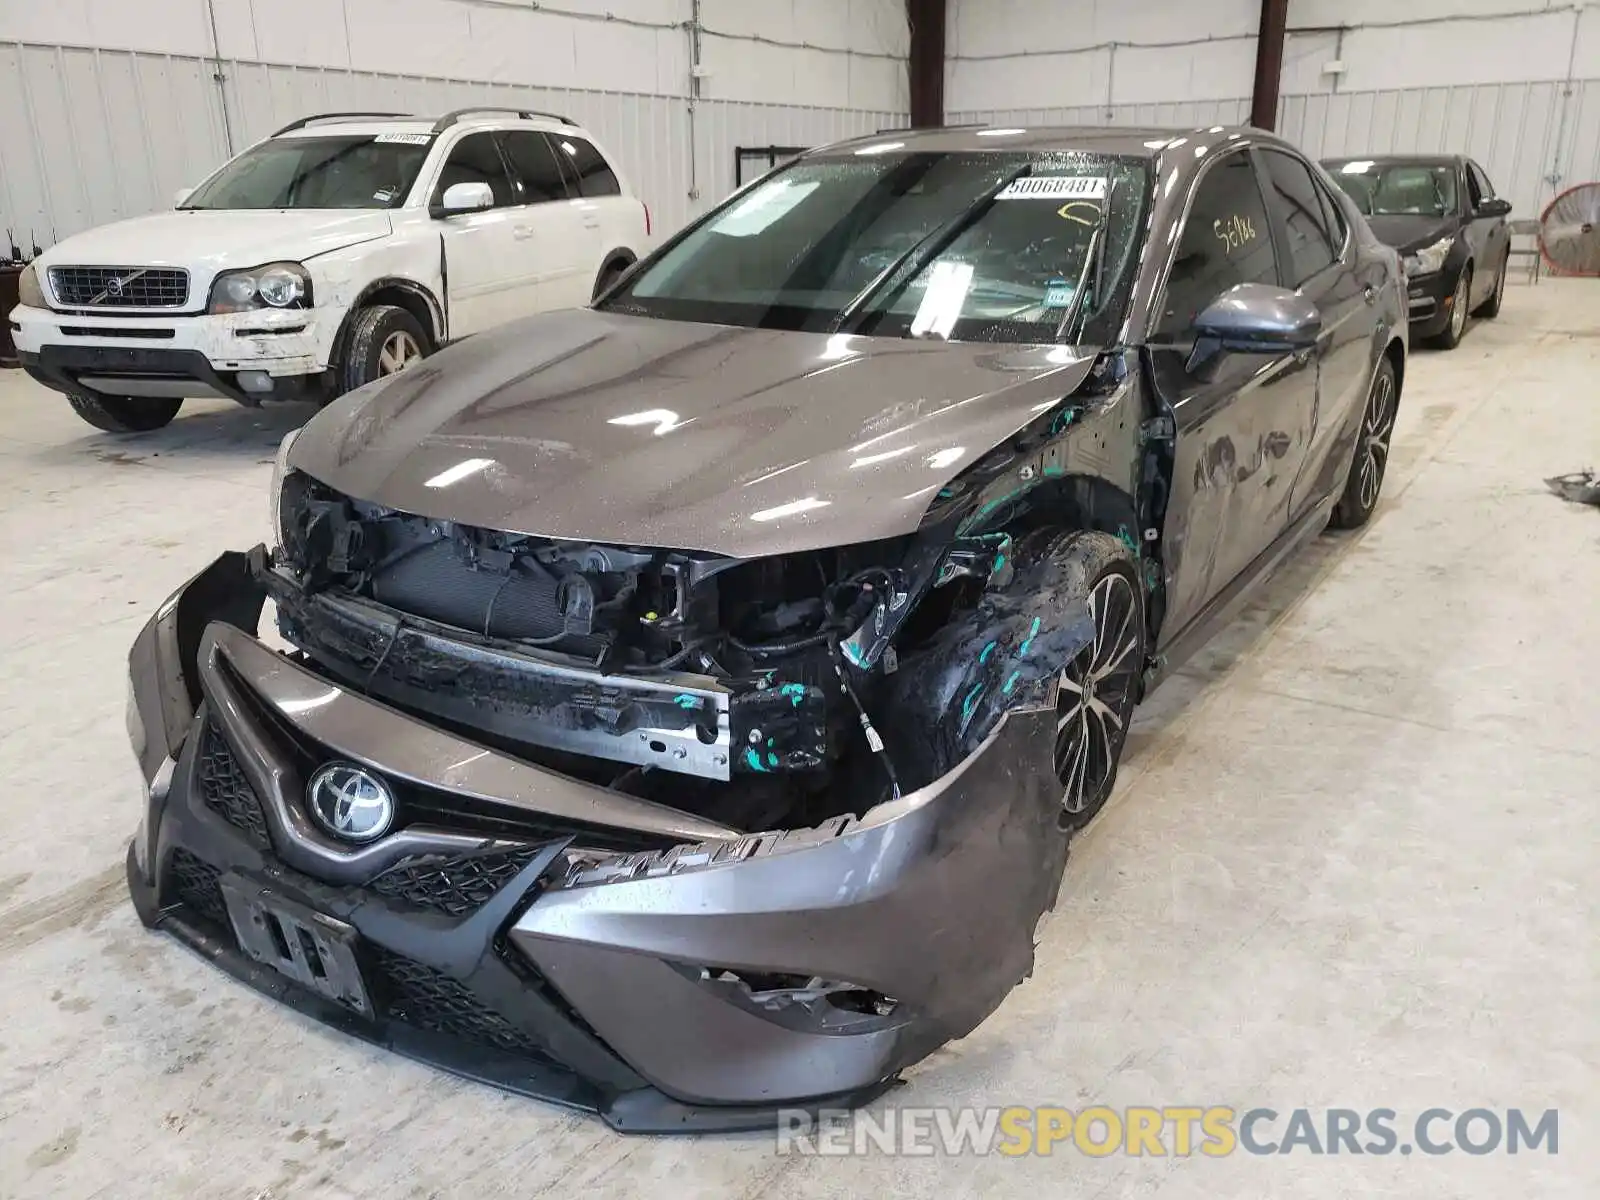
[528, 114]
[331, 116]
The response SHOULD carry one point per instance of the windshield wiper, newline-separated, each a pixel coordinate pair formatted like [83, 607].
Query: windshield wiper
[915, 259]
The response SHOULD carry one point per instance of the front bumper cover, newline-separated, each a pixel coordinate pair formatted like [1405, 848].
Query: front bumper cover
[587, 979]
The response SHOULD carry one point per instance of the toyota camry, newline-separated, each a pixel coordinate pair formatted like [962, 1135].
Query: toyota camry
[680, 708]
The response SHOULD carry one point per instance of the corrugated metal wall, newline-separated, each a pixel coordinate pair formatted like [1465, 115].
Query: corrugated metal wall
[105, 134]
[1511, 128]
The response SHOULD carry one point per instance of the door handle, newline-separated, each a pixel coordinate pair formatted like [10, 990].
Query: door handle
[590, 221]
[522, 232]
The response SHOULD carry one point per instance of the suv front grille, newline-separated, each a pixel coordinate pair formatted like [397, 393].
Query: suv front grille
[120, 287]
[226, 791]
[426, 999]
[456, 886]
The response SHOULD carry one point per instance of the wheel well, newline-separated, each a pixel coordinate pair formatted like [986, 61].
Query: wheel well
[1396, 355]
[401, 297]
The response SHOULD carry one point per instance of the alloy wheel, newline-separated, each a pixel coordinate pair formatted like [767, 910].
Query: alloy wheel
[1094, 697]
[400, 350]
[1376, 431]
[1458, 310]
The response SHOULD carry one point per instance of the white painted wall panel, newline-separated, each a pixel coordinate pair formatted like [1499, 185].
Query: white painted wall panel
[1010, 54]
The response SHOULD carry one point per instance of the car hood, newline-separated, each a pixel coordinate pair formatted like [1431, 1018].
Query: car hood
[600, 427]
[1408, 233]
[206, 242]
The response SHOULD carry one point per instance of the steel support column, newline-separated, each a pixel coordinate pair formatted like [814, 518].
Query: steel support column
[926, 61]
[1269, 63]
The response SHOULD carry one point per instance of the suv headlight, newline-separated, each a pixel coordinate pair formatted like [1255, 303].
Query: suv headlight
[28, 290]
[280, 472]
[276, 285]
[1429, 259]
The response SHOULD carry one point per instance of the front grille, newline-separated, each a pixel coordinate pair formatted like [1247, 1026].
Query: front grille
[422, 997]
[194, 885]
[456, 886]
[120, 287]
[226, 791]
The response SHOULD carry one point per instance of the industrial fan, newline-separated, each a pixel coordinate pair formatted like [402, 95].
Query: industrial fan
[1569, 231]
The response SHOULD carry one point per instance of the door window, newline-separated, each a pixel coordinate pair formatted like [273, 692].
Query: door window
[1311, 244]
[1226, 241]
[1480, 183]
[593, 174]
[538, 173]
[476, 159]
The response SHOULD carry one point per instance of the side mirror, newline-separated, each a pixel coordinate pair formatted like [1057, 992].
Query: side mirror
[464, 198]
[1257, 318]
[1494, 208]
[180, 196]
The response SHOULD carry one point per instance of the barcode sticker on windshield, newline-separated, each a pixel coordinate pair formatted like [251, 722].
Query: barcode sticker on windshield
[405, 139]
[1056, 187]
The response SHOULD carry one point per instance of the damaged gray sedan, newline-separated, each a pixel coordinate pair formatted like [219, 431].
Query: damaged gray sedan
[688, 701]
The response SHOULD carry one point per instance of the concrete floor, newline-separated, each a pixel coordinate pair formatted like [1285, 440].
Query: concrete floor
[1351, 861]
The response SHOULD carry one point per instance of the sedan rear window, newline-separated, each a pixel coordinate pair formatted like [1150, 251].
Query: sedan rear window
[975, 246]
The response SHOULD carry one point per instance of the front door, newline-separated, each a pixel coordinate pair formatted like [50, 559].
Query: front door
[1489, 236]
[487, 277]
[1237, 451]
[1320, 262]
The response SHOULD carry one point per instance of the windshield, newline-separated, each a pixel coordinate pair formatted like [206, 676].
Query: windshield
[1398, 189]
[968, 246]
[352, 171]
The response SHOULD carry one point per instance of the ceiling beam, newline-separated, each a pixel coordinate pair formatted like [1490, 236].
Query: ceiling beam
[1269, 63]
[926, 61]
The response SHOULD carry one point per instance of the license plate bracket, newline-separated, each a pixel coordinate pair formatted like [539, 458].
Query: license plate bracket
[313, 949]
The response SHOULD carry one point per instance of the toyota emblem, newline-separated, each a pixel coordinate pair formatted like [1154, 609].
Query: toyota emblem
[350, 802]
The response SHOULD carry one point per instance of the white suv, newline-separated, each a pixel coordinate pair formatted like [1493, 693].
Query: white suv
[345, 247]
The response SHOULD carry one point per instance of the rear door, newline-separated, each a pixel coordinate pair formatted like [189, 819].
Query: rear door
[615, 219]
[487, 280]
[1321, 264]
[1234, 412]
[551, 232]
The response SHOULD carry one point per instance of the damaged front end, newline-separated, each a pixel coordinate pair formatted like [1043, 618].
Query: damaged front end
[677, 837]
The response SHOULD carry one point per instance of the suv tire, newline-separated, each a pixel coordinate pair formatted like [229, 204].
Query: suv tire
[124, 414]
[383, 340]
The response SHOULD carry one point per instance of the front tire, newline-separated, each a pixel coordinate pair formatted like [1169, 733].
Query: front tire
[1096, 691]
[1490, 308]
[384, 340]
[1450, 338]
[1365, 481]
[124, 414]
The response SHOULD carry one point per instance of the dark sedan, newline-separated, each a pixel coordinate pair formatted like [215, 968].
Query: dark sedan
[692, 698]
[1441, 213]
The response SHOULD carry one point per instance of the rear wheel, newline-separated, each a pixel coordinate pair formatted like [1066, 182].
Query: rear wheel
[608, 276]
[1490, 308]
[1450, 338]
[124, 414]
[384, 340]
[1097, 690]
[1365, 482]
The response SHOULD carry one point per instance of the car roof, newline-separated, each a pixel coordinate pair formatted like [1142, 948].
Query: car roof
[424, 125]
[1417, 160]
[1138, 141]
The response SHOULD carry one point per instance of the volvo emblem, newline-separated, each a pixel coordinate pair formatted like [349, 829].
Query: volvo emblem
[115, 287]
[350, 802]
